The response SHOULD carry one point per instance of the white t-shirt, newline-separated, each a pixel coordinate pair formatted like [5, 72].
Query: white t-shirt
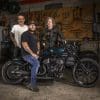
[18, 30]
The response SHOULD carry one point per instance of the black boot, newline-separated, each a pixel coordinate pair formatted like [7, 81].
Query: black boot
[33, 88]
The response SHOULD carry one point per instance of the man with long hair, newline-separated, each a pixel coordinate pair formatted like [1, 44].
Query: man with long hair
[51, 35]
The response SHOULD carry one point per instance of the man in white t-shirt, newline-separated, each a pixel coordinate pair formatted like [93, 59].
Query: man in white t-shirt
[16, 32]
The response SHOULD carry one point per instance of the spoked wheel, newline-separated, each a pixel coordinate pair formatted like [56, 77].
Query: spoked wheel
[86, 72]
[8, 74]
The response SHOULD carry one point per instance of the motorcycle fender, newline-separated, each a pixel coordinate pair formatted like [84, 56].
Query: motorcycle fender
[18, 61]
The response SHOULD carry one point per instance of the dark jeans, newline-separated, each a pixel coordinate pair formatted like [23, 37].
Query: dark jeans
[17, 52]
[35, 64]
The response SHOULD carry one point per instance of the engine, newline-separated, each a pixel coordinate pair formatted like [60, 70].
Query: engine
[55, 66]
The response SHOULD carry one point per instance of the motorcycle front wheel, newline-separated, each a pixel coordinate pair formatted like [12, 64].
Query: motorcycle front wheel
[8, 74]
[86, 72]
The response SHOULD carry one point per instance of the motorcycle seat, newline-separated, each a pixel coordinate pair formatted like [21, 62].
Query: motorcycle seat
[20, 59]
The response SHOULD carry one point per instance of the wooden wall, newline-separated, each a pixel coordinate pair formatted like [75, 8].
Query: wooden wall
[75, 22]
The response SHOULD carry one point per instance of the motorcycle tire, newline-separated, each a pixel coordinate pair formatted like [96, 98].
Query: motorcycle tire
[7, 75]
[86, 73]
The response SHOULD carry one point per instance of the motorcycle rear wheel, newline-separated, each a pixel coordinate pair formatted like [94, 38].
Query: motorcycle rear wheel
[7, 73]
[86, 73]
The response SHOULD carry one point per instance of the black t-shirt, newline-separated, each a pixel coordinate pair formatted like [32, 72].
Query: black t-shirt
[31, 39]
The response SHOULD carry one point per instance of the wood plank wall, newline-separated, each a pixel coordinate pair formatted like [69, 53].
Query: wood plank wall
[75, 22]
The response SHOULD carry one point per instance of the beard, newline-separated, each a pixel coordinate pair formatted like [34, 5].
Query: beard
[32, 30]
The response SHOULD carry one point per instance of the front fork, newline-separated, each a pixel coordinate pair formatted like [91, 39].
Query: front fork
[83, 67]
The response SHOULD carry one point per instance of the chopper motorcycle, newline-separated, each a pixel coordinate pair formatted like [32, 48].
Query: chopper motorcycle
[53, 63]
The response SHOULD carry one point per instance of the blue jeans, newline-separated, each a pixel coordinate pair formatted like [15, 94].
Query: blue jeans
[35, 64]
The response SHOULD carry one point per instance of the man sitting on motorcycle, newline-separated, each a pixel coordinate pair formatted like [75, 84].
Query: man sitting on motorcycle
[29, 43]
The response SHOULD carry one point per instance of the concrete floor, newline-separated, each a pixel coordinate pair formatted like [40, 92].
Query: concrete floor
[56, 91]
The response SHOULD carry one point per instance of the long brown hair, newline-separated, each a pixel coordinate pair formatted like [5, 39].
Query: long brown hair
[53, 21]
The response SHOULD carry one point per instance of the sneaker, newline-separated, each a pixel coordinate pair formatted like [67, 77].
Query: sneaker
[35, 88]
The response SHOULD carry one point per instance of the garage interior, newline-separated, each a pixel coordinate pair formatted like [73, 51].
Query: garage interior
[78, 20]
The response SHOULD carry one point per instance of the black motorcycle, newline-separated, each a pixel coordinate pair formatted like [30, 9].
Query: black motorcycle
[54, 61]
